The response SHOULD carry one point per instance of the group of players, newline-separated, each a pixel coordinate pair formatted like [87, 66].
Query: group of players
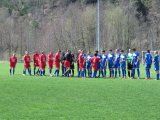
[89, 65]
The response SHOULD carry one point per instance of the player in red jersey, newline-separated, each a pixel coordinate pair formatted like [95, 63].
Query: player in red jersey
[50, 62]
[81, 61]
[57, 61]
[36, 62]
[13, 62]
[27, 66]
[94, 62]
[67, 63]
[42, 61]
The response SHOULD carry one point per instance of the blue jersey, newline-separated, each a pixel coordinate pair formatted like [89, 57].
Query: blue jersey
[123, 59]
[134, 58]
[117, 60]
[110, 60]
[88, 61]
[104, 60]
[148, 60]
[156, 62]
[99, 63]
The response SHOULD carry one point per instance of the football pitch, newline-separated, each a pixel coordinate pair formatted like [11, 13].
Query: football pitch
[60, 98]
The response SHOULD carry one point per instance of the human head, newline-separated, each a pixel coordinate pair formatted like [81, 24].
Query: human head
[26, 52]
[103, 51]
[156, 52]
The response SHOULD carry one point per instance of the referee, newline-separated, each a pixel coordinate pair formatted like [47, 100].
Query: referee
[129, 63]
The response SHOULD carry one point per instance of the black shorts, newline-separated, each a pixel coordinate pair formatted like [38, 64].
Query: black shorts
[129, 66]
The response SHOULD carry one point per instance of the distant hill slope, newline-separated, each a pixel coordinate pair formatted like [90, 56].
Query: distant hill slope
[71, 24]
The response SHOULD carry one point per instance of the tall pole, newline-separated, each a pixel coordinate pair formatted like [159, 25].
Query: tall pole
[98, 27]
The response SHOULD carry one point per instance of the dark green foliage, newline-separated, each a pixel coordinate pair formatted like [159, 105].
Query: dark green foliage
[142, 10]
[35, 24]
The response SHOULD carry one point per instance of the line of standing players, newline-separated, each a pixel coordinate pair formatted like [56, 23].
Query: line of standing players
[89, 65]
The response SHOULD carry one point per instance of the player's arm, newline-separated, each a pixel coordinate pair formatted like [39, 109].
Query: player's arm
[16, 61]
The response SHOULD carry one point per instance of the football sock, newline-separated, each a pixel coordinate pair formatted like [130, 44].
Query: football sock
[138, 72]
[157, 76]
[115, 73]
[119, 72]
[24, 72]
[133, 73]
[10, 70]
[13, 71]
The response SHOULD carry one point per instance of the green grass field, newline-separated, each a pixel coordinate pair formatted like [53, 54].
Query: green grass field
[46, 98]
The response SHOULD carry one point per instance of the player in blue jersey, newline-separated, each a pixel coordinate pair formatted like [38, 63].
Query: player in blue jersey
[123, 59]
[117, 63]
[89, 64]
[135, 63]
[148, 63]
[138, 64]
[111, 63]
[156, 64]
[103, 63]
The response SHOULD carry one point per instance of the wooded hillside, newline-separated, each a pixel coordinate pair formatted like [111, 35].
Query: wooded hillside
[71, 24]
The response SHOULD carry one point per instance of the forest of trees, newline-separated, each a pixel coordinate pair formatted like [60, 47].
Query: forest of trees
[50, 25]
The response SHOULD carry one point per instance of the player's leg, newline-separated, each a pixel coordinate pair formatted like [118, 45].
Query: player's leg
[147, 73]
[112, 72]
[29, 70]
[124, 72]
[82, 72]
[24, 70]
[34, 70]
[85, 72]
[13, 70]
[115, 74]
[157, 74]
[55, 72]
[95, 73]
[104, 71]
[58, 67]
[88, 71]
[10, 70]
[50, 71]
[133, 71]
[119, 71]
[138, 71]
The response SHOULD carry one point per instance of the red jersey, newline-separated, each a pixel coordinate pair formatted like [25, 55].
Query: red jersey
[27, 59]
[13, 61]
[36, 60]
[94, 62]
[43, 59]
[50, 58]
[81, 61]
[50, 61]
[57, 58]
[80, 58]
